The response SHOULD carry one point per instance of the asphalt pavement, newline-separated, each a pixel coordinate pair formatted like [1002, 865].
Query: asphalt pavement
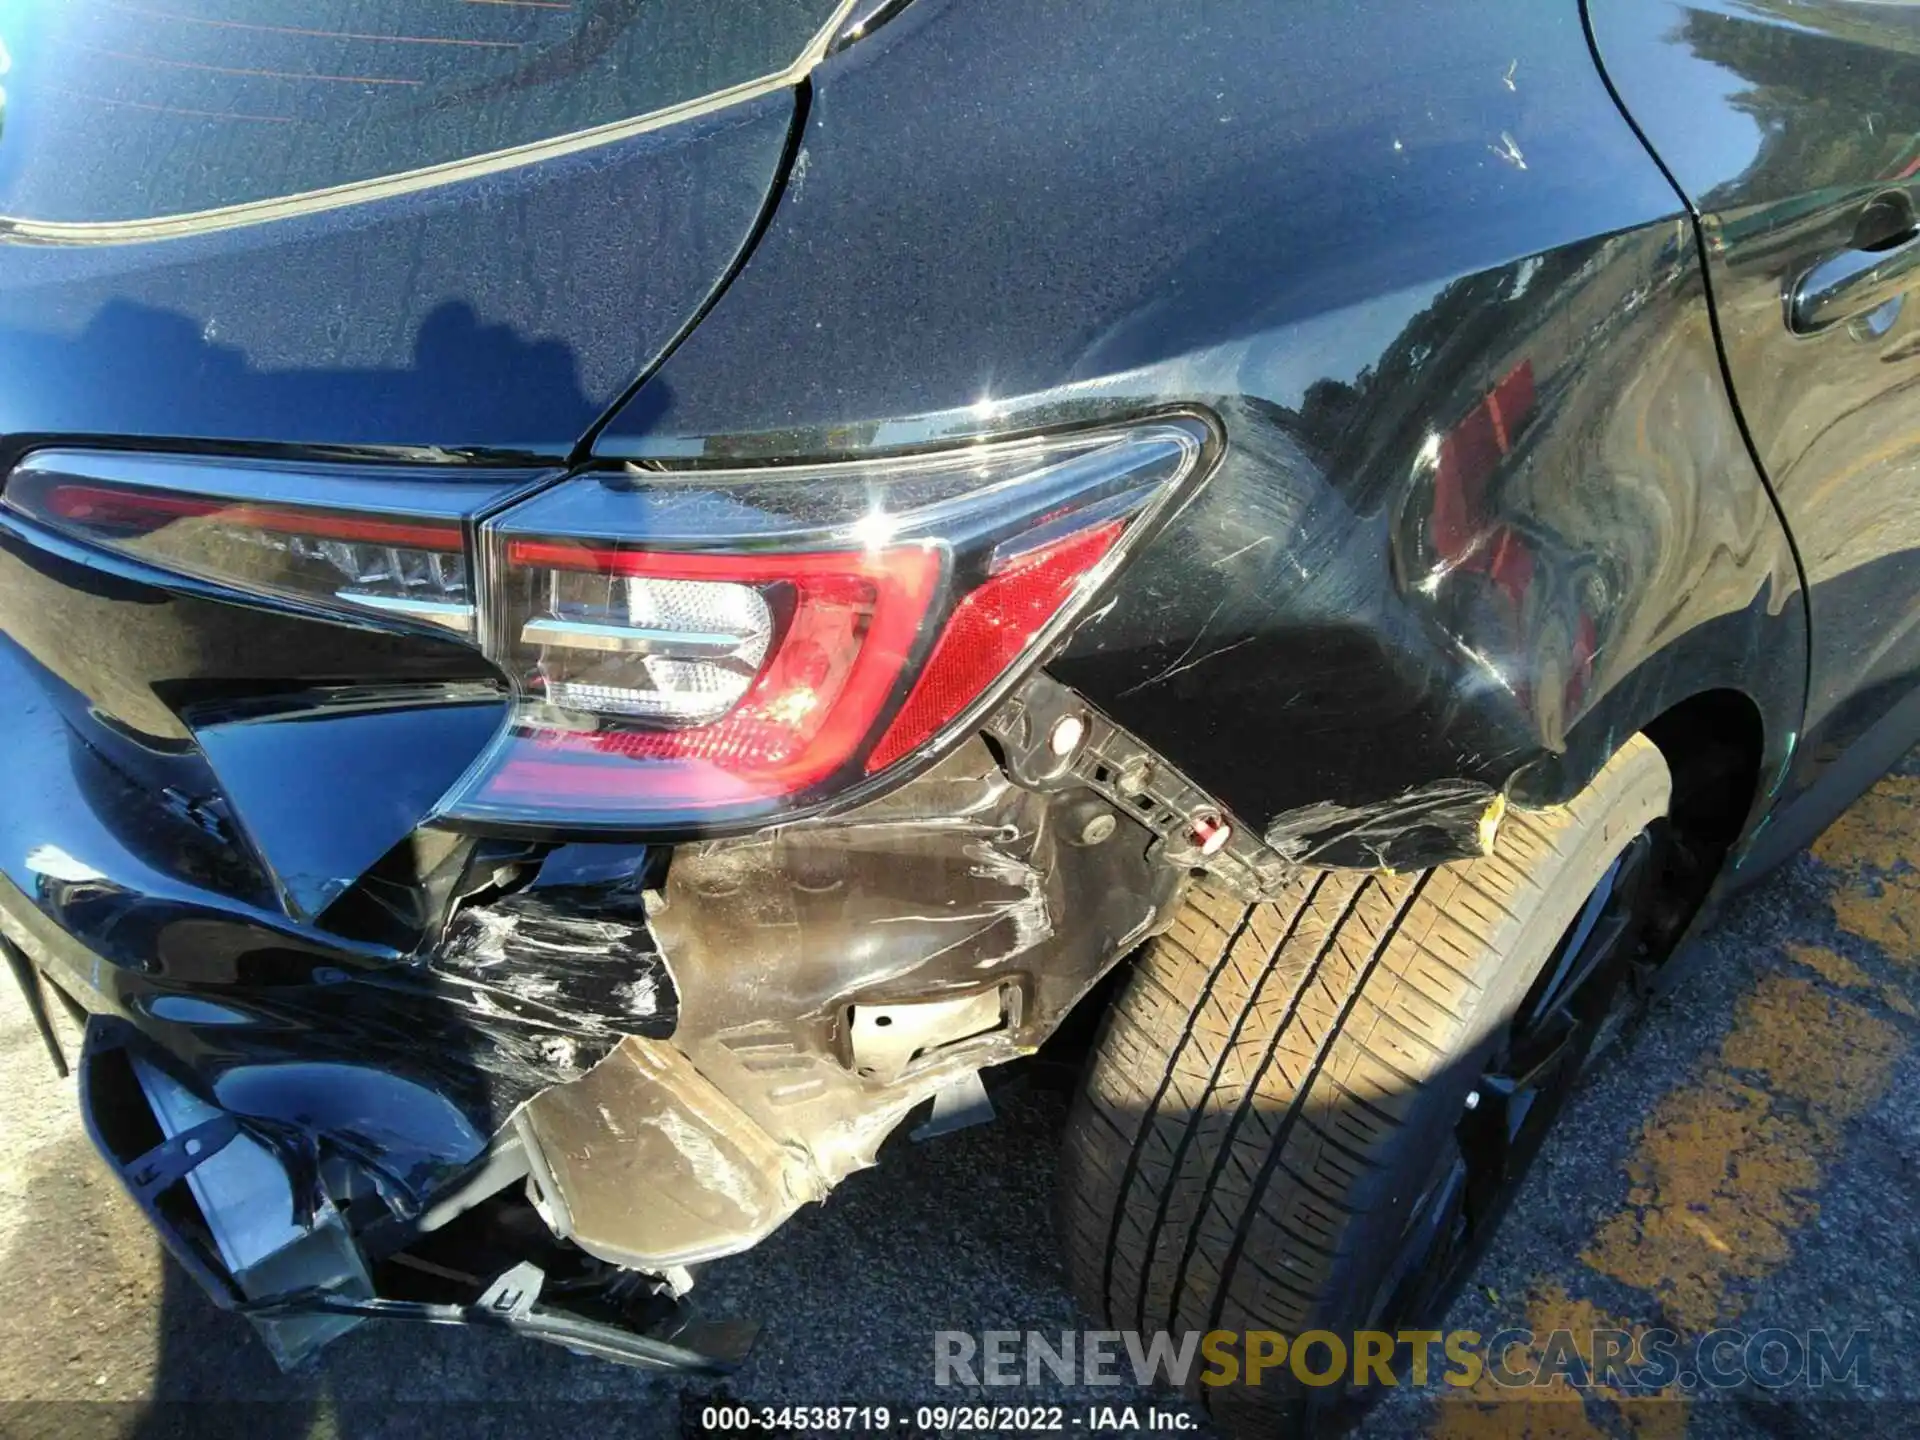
[1746, 1163]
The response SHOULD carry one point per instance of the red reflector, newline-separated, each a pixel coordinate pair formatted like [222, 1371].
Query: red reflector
[116, 507]
[989, 630]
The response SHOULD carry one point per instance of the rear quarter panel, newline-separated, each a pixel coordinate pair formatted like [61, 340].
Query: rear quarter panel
[1485, 510]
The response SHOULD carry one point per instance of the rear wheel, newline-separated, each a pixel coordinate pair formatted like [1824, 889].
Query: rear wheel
[1311, 1113]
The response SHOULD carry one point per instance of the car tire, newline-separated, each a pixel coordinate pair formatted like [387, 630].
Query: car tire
[1283, 1095]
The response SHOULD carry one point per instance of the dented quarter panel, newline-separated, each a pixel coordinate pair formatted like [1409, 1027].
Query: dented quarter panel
[1485, 509]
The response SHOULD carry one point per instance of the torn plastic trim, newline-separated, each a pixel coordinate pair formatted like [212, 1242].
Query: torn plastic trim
[511, 1303]
[837, 973]
[206, 1180]
[968, 907]
[257, 1220]
[1432, 825]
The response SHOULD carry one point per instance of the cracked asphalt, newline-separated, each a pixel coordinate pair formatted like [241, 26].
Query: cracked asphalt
[1748, 1160]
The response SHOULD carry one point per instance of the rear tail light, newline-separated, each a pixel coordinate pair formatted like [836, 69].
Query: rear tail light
[684, 648]
[769, 673]
[399, 553]
[708, 646]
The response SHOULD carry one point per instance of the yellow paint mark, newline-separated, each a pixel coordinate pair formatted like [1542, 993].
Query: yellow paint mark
[1878, 830]
[1837, 970]
[1873, 847]
[1810, 1046]
[1490, 823]
[1555, 1410]
[1726, 1168]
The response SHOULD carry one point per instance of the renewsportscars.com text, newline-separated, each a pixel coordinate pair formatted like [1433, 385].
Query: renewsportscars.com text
[1629, 1362]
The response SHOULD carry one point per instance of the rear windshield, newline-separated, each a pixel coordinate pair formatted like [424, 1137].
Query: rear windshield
[134, 109]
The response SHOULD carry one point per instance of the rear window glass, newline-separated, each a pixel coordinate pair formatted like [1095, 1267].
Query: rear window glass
[134, 109]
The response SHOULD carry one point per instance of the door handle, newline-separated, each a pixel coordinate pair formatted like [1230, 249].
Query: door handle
[1853, 283]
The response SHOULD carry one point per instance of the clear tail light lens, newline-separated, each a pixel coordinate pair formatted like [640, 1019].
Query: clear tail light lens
[696, 648]
[676, 651]
[795, 656]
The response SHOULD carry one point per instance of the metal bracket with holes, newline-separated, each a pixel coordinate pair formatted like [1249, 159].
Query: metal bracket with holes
[1051, 739]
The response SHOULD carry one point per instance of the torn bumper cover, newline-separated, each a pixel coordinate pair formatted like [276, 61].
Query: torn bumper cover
[833, 976]
[610, 1064]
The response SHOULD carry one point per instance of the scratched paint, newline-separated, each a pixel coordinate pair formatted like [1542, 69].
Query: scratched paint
[1728, 1168]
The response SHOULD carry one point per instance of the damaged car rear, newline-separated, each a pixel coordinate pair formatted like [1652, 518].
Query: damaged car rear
[602, 606]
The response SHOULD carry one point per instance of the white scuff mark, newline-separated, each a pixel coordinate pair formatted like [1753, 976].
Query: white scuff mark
[524, 985]
[1210, 655]
[713, 1169]
[1507, 79]
[559, 1051]
[484, 1004]
[984, 917]
[1524, 274]
[488, 934]
[641, 996]
[606, 1119]
[799, 176]
[1226, 560]
[1509, 150]
[1179, 660]
[1398, 148]
[1032, 917]
[591, 937]
[487, 940]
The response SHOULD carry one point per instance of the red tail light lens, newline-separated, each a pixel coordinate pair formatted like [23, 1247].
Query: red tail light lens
[988, 632]
[686, 649]
[794, 660]
[273, 529]
[708, 647]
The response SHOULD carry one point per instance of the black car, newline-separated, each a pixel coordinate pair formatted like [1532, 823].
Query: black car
[602, 602]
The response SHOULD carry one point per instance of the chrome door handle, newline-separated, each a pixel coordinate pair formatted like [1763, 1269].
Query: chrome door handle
[1851, 284]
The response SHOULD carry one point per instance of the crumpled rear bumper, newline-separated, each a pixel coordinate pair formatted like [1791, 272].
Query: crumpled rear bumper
[664, 1054]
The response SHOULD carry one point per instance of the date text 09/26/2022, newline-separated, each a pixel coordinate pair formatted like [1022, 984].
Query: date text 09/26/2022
[945, 1419]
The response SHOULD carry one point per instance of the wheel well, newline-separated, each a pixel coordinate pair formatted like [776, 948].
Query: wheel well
[1714, 745]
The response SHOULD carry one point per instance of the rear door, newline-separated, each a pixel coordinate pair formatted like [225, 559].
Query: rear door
[1793, 127]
